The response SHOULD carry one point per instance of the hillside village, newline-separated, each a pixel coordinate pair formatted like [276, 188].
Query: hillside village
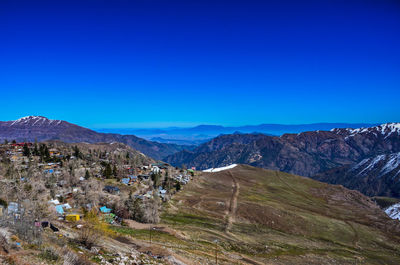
[108, 203]
[72, 191]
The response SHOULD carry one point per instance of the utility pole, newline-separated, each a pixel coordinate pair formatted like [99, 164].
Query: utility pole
[150, 234]
[216, 251]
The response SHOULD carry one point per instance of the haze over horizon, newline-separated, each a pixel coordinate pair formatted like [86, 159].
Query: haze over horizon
[155, 64]
[149, 126]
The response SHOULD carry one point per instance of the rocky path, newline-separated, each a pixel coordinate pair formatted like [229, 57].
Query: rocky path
[230, 216]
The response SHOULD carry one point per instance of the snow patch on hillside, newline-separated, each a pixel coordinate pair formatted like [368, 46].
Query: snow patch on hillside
[384, 163]
[394, 211]
[218, 169]
[389, 164]
[392, 164]
[372, 164]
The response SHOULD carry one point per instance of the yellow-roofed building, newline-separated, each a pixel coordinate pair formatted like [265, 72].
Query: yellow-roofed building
[72, 217]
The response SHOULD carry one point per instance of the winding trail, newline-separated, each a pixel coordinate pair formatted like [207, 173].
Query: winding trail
[230, 216]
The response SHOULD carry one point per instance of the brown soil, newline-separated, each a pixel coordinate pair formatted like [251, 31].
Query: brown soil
[233, 203]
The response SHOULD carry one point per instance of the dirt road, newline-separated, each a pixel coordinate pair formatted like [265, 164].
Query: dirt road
[232, 204]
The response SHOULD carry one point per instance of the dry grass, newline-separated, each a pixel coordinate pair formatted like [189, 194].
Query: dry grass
[286, 217]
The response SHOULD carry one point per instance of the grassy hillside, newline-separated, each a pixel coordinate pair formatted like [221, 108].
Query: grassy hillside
[254, 216]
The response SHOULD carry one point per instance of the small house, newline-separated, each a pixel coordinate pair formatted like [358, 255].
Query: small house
[13, 208]
[104, 209]
[72, 217]
[111, 189]
[125, 181]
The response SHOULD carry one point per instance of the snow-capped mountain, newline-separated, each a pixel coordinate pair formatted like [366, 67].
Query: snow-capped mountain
[40, 128]
[306, 153]
[384, 130]
[34, 121]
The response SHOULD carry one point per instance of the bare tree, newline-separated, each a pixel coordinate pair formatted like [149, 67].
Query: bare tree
[151, 210]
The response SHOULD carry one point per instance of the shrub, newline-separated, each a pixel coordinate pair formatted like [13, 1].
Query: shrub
[49, 254]
[3, 202]
[71, 258]
[93, 229]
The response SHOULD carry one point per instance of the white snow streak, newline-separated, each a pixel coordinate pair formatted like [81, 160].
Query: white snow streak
[220, 168]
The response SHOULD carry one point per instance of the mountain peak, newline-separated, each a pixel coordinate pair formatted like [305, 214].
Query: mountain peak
[31, 118]
[34, 120]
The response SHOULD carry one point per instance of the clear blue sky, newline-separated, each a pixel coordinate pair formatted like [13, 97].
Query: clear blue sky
[159, 63]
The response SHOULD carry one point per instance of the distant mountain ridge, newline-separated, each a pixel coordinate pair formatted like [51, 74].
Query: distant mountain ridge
[305, 154]
[197, 134]
[40, 128]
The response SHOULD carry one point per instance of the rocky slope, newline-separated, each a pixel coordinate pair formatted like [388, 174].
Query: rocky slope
[304, 154]
[39, 128]
[375, 176]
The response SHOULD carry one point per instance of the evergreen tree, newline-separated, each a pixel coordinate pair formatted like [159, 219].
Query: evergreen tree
[115, 171]
[44, 152]
[35, 150]
[178, 186]
[87, 174]
[155, 177]
[77, 152]
[26, 151]
[166, 182]
[107, 171]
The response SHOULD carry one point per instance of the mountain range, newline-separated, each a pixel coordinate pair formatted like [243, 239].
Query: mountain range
[202, 133]
[366, 159]
[308, 154]
[40, 128]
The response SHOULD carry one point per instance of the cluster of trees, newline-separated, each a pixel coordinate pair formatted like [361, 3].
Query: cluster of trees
[41, 150]
[144, 211]
[109, 172]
